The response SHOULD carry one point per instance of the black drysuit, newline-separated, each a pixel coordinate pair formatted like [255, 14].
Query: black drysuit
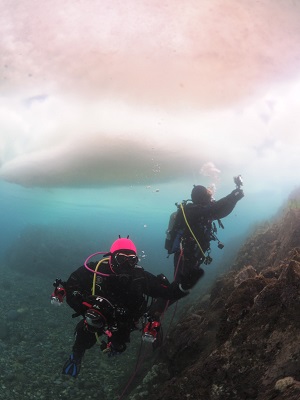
[127, 291]
[199, 221]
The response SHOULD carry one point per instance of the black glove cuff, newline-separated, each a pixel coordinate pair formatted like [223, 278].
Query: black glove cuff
[183, 290]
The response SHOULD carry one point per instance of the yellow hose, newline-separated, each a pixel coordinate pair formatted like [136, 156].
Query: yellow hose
[94, 288]
[190, 229]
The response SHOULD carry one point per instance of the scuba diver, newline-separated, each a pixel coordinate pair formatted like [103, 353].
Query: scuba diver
[192, 228]
[112, 295]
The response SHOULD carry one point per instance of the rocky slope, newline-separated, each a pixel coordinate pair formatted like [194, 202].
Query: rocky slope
[241, 340]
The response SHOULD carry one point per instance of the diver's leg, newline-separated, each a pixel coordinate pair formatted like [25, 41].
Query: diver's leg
[188, 266]
[83, 341]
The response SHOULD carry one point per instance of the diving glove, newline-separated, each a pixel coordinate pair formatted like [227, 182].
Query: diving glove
[112, 350]
[189, 279]
[72, 365]
[237, 194]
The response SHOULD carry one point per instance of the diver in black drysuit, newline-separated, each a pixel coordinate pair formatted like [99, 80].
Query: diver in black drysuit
[119, 300]
[194, 223]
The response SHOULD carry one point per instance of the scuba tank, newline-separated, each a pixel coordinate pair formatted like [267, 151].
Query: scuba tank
[170, 233]
[175, 231]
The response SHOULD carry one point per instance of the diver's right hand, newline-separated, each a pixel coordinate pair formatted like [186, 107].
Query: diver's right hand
[238, 194]
[112, 350]
[189, 279]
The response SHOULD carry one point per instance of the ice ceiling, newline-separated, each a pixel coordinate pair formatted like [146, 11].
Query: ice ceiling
[100, 92]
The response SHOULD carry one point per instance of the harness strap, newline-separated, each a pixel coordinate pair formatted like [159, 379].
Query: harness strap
[190, 229]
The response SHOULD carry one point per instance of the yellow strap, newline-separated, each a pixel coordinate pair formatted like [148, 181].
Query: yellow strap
[94, 288]
[95, 274]
[190, 229]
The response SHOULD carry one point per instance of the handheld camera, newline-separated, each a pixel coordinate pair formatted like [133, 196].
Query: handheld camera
[238, 180]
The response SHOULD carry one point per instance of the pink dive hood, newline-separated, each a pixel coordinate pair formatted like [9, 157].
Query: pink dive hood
[123, 244]
[117, 260]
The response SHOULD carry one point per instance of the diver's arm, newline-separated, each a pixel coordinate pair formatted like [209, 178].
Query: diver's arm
[155, 287]
[215, 210]
[223, 207]
[75, 291]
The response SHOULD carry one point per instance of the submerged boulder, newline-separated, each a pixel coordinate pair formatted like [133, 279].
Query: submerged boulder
[243, 345]
[4, 330]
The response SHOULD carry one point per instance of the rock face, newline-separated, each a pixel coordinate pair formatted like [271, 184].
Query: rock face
[242, 342]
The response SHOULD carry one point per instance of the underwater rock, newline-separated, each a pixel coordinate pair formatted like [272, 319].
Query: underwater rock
[4, 331]
[282, 384]
[13, 315]
[243, 344]
[246, 273]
